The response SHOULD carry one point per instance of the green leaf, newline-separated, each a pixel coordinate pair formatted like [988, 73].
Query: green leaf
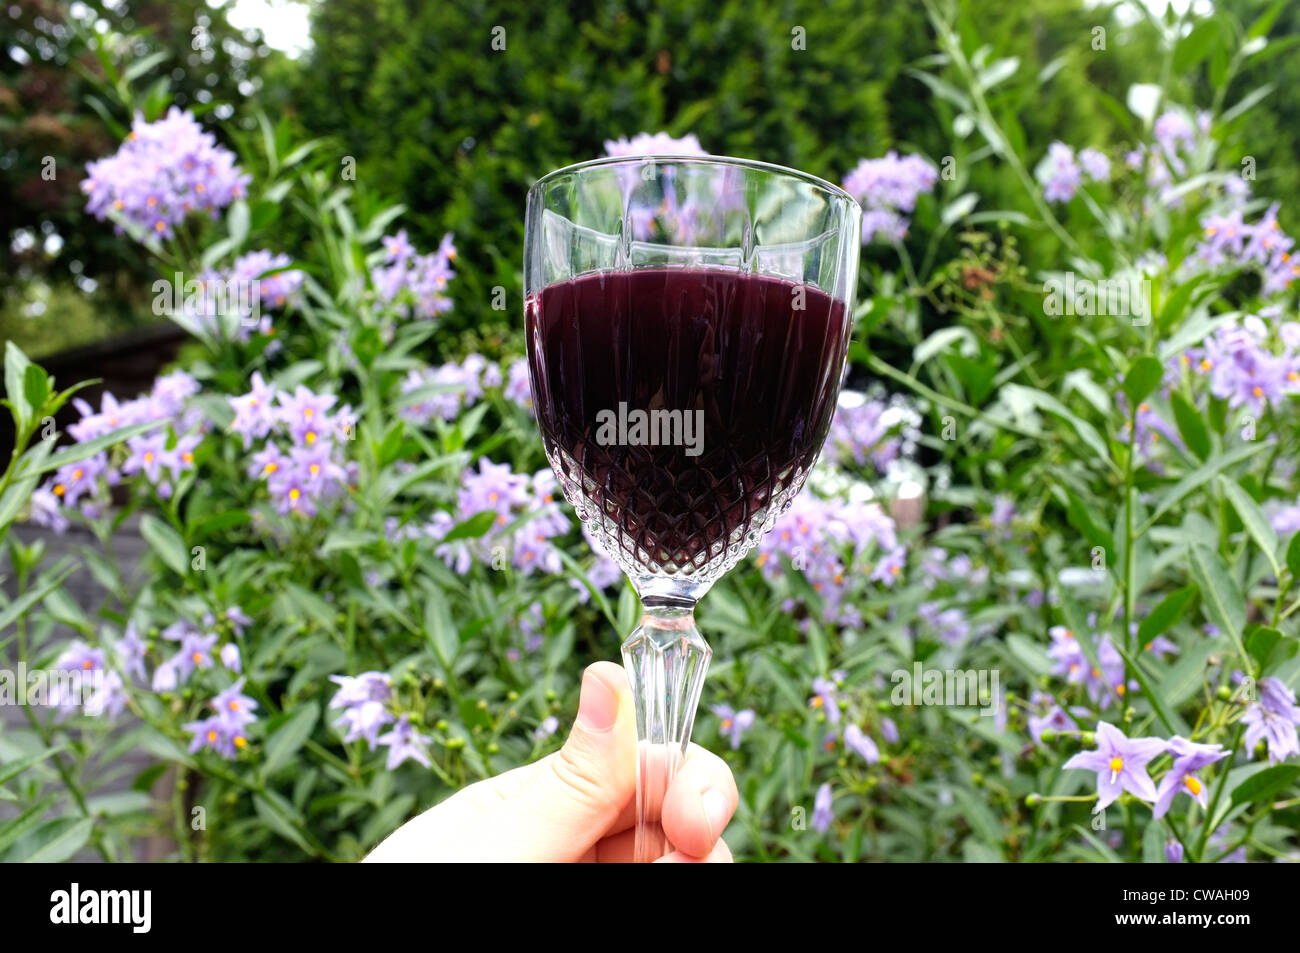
[1256, 523]
[36, 388]
[1196, 45]
[285, 741]
[237, 221]
[1292, 555]
[28, 599]
[473, 528]
[1142, 378]
[80, 451]
[1265, 784]
[13, 831]
[1190, 426]
[166, 543]
[63, 845]
[1220, 594]
[438, 626]
[14, 768]
[1095, 532]
[1086, 431]
[1165, 615]
[16, 365]
[1263, 641]
[271, 808]
[1201, 476]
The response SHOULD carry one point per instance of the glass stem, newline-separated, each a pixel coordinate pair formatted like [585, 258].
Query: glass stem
[666, 659]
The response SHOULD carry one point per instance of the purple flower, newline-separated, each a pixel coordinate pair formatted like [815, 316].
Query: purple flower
[889, 730]
[108, 698]
[359, 689]
[860, 431]
[74, 480]
[734, 723]
[233, 706]
[494, 487]
[547, 728]
[411, 282]
[195, 652]
[364, 721]
[1174, 852]
[1273, 719]
[1095, 164]
[230, 657]
[255, 413]
[861, 744]
[164, 171]
[1055, 717]
[1120, 763]
[1059, 174]
[822, 816]
[519, 387]
[46, 511]
[306, 414]
[130, 650]
[826, 696]
[146, 454]
[654, 144]
[220, 734]
[404, 742]
[886, 187]
[1189, 758]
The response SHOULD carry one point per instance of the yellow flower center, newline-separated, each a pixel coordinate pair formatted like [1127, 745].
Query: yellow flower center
[1116, 766]
[1193, 785]
[240, 741]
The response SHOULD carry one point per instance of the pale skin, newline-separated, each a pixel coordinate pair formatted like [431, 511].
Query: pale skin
[578, 804]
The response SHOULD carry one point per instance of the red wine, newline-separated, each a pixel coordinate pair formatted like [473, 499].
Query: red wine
[735, 374]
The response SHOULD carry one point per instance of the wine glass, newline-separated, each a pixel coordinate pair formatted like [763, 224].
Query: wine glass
[687, 323]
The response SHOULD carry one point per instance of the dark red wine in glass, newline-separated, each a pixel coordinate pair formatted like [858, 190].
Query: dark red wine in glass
[749, 363]
[687, 321]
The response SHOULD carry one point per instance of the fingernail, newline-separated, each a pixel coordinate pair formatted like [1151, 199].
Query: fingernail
[715, 810]
[597, 705]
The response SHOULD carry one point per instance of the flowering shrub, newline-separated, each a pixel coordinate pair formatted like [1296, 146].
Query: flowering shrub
[1036, 601]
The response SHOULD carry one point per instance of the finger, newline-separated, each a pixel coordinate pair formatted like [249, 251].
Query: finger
[699, 803]
[721, 854]
[570, 799]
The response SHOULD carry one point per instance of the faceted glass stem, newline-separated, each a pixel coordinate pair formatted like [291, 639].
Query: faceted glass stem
[666, 659]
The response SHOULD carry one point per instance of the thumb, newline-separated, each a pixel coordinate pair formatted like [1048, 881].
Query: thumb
[569, 800]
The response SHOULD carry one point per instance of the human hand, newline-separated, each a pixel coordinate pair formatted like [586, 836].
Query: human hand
[578, 804]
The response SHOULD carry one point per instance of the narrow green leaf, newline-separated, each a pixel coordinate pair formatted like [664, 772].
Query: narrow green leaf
[1190, 426]
[1220, 594]
[286, 740]
[166, 543]
[1265, 784]
[1142, 378]
[65, 844]
[1166, 614]
[1256, 523]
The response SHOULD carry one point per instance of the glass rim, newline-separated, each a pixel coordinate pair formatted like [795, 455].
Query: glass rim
[731, 161]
